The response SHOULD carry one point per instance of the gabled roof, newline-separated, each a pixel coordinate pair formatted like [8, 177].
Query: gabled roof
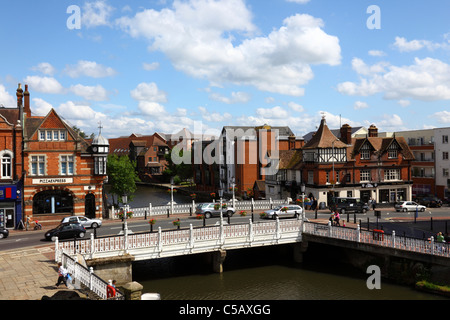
[381, 145]
[290, 159]
[324, 138]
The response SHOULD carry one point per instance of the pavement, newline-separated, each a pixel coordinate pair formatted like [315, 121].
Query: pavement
[31, 273]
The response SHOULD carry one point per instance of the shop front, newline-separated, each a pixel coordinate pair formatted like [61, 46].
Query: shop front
[10, 206]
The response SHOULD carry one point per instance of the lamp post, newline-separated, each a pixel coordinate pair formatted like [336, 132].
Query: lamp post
[125, 225]
[221, 195]
[171, 195]
[302, 188]
[233, 185]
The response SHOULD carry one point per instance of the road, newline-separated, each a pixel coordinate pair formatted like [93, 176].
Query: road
[20, 239]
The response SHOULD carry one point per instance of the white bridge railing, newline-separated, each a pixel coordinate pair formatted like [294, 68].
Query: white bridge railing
[206, 239]
[151, 210]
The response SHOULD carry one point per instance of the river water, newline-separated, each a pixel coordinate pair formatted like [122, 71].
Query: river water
[267, 273]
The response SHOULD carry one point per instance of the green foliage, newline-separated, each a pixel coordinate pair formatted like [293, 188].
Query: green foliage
[122, 176]
[180, 172]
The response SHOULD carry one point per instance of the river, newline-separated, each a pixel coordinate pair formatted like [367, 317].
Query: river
[259, 274]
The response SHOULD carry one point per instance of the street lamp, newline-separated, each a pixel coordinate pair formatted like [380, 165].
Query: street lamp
[233, 185]
[221, 195]
[171, 195]
[302, 189]
[125, 225]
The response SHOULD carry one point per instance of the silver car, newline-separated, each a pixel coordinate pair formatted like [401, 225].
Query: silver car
[213, 209]
[85, 222]
[285, 210]
[409, 206]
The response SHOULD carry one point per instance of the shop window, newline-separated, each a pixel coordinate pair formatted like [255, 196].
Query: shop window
[53, 201]
[67, 165]
[37, 165]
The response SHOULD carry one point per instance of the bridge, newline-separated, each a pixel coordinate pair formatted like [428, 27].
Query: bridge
[222, 237]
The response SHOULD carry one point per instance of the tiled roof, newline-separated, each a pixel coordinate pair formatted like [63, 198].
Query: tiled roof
[323, 138]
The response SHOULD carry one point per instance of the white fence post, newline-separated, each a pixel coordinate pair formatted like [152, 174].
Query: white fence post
[92, 244]
[57, 255]
[250, 231]
[91, 276]
[393, 238]
[191, 237]
[358, 233]
[150, 209]
[159, 239]
[329, 229]
[432, 244]
[277, 227]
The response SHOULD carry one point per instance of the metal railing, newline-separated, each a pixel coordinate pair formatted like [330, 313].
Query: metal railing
[151, 210]
[86, 277]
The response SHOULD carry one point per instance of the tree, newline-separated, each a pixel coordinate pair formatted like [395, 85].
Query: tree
[122, 176]
[183, 170]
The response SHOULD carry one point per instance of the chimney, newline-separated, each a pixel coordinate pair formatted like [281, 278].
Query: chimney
[291, 142]
[373, 131]
[346, 134]
[19, 95]
[26, 108]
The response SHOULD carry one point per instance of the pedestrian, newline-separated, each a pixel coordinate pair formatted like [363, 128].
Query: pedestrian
[331, 218]
[28, 222]
[440, 237]
[373, 204]
[337, 218]
[62, 274]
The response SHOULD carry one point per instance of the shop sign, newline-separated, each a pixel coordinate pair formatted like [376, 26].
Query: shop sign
[53, 181]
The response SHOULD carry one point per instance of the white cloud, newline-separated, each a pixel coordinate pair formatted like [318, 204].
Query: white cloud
[404, 103]
[427, 79]
[404, 45]
[442, 117]
[44, 84]
[199, 37]
[390, 122]
[6, 99]
[89, 69]
[153, 109]
[272, 113]
[360, 105]
[298, 1]
[236, 97]
[296, 107]
[148, 92]
[150, 66]
[96, 14]
[44, 68]
[41, 107]
[214, 116]
[376, 53]
[97, 93]
[71, 110]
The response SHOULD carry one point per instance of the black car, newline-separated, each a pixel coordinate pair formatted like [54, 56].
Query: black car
[4, 233]
[433, 202]
[344, 205]
[66, 231]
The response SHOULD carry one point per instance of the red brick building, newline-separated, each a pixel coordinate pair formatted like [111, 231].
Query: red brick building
[63, 173]
[371, 167]
[11, 163]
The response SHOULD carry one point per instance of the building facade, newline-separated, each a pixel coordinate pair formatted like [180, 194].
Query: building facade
[370, 167]
[63, 174]
[442, 158]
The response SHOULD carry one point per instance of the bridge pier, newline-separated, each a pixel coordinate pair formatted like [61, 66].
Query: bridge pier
[118, 268]
[299, 249]
[218, 257]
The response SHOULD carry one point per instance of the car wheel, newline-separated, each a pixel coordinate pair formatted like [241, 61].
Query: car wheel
[81, 235]
[422, 209]
[207, 215]
[2, 235]
[94, 225]
[229, 213]
[404, 210]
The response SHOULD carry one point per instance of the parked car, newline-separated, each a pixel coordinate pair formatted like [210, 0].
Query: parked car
[285, 210]
[430, 202]
[85, 222]
[349, 204]
[213, 209]
[4, 233]
[66, 231]
[408, 206]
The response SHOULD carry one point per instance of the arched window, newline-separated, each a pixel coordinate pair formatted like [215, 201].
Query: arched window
[6, 169]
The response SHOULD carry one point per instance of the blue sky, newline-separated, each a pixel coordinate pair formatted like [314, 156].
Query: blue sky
[161, 65]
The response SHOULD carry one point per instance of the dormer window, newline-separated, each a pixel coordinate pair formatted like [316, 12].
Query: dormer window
[365, 152]
[393, 151]
[52, 135]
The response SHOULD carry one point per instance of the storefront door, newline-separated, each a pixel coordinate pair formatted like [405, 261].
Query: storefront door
[7, 218]
[89, 206]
